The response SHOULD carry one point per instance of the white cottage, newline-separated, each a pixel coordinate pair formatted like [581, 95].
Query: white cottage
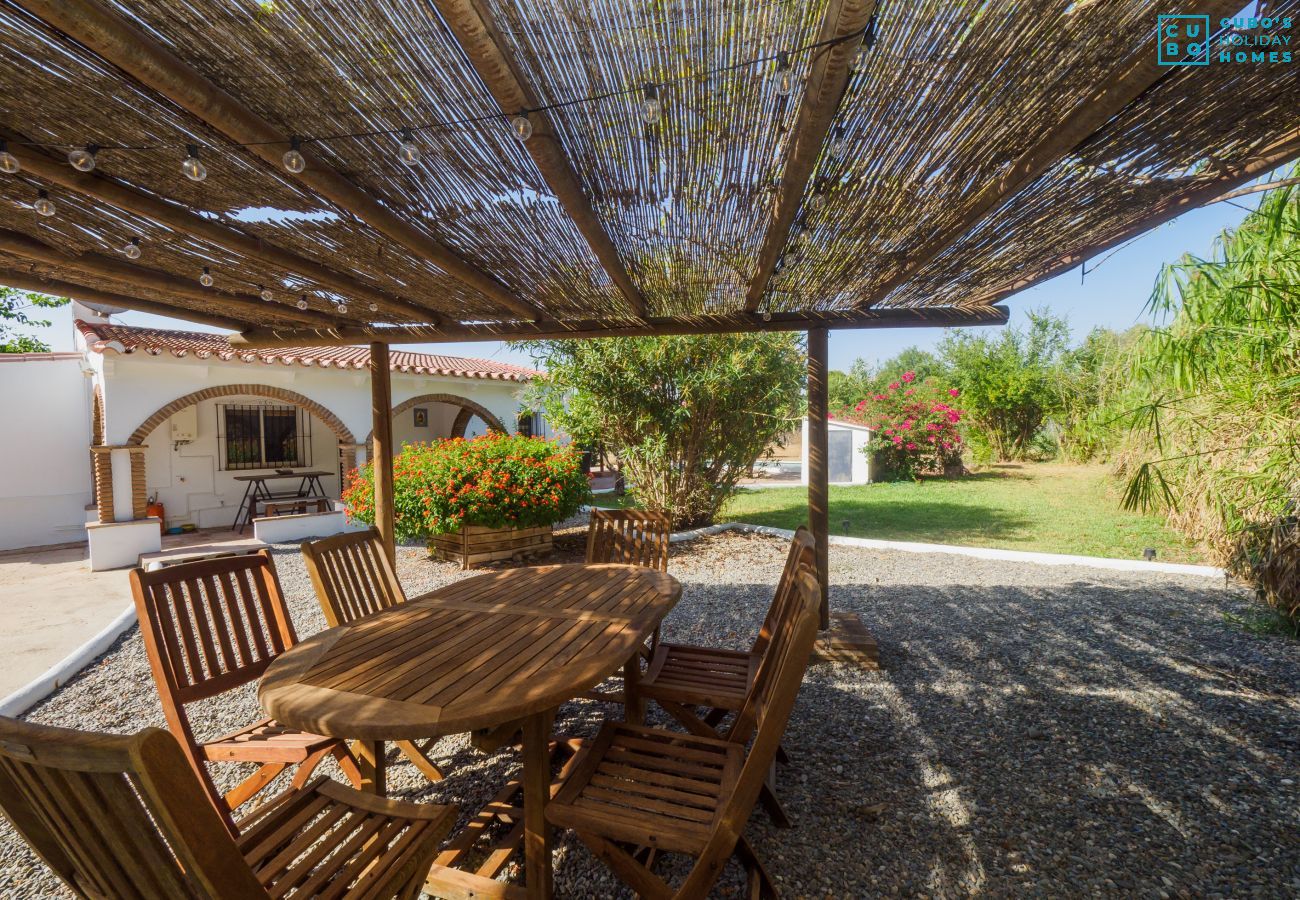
[181, 420]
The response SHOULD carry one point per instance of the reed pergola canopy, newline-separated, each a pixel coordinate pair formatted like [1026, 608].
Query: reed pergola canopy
[928, 160]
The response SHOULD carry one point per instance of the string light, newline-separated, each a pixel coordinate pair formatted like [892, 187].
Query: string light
[193, 169]
[868, 41]
[408, 151]
[293, 159]
[206, 278]
[374, 307]
[839, 144]
[132, 249]
[8, 162]
[522, 126]
[651, 108]
[302, 302]
[767, 316]
[265, 293]
[83, 160]
[818, 198]
[44, 205]
[784, 75]
[341, 308]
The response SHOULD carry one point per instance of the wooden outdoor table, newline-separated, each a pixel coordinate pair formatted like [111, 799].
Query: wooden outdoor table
[308, 486]
[483, 652]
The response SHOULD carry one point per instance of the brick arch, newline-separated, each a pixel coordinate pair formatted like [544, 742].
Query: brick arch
[333, 422]
[468, 409]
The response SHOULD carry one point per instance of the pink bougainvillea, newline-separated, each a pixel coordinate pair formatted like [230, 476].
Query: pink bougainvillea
[910, 407]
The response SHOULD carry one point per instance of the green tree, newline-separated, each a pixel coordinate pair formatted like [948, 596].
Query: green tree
[1210, 419]
[845, 389]
[686, 416]
[14, 306]
[1009, 383]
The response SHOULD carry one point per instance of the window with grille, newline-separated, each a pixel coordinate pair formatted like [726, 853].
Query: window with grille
[262, 437]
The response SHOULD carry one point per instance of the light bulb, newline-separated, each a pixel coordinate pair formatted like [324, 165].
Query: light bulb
[302, 303]
[8, 162]
[839, 141]
[767, 316]
[817, 202]
[784, 75]
[265, 293]
[374, 307]
[651, 108]
[342, 309]
[193, 169]
[408, 151]
[522, 127]
[293, 160]
[132, 249]
[83, 160]
[44, 205]
[206, 278]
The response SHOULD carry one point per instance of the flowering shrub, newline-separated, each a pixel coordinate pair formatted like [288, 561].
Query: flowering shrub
[913, 427]
[497, 480]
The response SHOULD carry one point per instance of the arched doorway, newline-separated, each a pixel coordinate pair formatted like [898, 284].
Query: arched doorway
[199, 467]
[445, 415]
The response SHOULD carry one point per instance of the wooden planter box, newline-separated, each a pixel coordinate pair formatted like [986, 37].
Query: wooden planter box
[474, 545]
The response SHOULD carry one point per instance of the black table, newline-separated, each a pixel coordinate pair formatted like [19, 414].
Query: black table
[308, 486]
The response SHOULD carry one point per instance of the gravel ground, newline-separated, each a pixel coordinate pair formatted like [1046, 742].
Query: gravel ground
[1035, 731]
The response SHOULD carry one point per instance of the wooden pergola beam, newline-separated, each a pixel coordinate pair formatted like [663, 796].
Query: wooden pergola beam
[96, 265]
[821, 101]
[27, 281]
[944, 317]
[1137, 75]
[478, 35]
[143, 57]
[1274, 156]
[118, 194]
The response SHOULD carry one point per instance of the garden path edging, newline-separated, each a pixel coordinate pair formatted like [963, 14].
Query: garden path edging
[1029, 556]
[62, 672]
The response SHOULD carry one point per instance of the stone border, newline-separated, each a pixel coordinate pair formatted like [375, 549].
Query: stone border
[62, 672]
[1029, 556]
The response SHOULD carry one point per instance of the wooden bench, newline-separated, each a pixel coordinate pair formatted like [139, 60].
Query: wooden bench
[297, 506]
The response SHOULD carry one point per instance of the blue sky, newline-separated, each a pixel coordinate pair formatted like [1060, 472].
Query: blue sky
[1113, 296]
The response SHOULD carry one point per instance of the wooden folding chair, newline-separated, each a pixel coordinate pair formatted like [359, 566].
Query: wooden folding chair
[353, 578]
[635, 793]
[122, 816]
[699, 686]
[633, 538]
[629, 536]
[211, 626]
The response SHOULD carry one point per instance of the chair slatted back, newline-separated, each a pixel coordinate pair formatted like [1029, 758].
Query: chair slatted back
[803, 553]
[775, 689]
[352, 575]
[118, 815]
[774, 664]
[628, 536]
[211, 625]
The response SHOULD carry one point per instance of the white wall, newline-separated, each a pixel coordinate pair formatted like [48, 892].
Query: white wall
[45, 406]
[136, 386]
[193, 487]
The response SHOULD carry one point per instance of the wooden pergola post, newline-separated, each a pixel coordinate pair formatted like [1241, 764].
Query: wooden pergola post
[381, 411]
[818, 474]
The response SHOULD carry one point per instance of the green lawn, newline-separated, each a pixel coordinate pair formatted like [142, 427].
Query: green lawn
[1035, 506]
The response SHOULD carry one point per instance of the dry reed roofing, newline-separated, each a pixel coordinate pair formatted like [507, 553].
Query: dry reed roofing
[977, 149]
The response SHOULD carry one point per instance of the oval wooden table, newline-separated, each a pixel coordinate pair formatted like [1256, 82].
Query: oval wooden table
[485, 651]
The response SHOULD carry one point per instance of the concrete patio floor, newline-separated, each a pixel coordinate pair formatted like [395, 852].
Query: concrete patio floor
[53, 603]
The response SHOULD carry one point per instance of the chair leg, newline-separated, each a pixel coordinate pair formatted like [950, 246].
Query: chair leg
[418, 758]
[636, 876]
[771, 803]
[251, 786]
[308, 765]
[348, 764]
[715, 716]
[781, 756]
[760, 884]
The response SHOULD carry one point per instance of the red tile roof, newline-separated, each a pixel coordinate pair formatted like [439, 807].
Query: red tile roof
[156, 341]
